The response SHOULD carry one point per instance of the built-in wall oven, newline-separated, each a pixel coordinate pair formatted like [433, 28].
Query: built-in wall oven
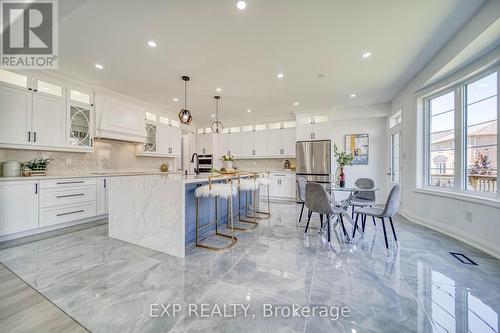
[205, 163]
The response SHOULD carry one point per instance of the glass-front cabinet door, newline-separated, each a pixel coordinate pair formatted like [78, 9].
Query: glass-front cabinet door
[80, 126]
[150, 145]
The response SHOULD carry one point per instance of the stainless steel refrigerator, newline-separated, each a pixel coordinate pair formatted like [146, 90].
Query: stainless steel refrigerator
[314, 160]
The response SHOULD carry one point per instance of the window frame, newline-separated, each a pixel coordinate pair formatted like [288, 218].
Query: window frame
[460, 136]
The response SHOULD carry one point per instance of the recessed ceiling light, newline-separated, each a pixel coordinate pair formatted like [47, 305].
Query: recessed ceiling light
[98, 66]
[152, 43]
[175, 99]
[213, 116]
[352, 95]
[161, 97]
[218, 89]
[249, 110]
[367, 55]
[280, 75]
[296, 103]
[241, 4]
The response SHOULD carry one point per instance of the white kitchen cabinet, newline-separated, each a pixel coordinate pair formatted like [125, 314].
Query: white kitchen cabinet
[235, 144]
[275, 142]
[247, 144]
[282, 186]
[49, 121]
[162, 140]
[102, 196]
[18, 206]
[223, 143]
[315, 127]
[260, 147]
[171, 142]
[204, 143]
[15, 116]
[119, 119]
[289, 141]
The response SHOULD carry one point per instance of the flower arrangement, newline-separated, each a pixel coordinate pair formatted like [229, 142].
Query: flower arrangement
[37, 165]
[342, 158]
[228, 158]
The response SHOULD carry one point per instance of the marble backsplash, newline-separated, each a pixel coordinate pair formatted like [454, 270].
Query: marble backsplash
[108, 156]
[264, 164]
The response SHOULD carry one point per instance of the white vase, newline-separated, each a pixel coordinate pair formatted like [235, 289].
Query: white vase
[228, 165]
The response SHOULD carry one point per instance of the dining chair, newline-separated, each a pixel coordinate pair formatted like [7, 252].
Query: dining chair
[364, 198]
[317, 200]
[301, 185]
[388, 211]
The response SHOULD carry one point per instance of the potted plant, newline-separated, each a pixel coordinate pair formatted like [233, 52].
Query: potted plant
[37, 167]
[342, 159]
[228, 160]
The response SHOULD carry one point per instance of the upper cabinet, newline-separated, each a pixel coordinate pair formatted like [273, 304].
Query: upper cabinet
[119, 119]
[33, 112]
[313, 127]
[272, 140]
[204, 144]
[163, 137]
[81, 118]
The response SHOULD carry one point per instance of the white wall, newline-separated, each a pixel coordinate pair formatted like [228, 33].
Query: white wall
[445, 214]
[377, 153]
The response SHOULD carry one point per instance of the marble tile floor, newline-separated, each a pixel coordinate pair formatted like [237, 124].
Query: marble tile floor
[108, 285]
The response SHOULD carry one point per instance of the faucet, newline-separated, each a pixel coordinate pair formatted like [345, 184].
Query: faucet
[197, 168]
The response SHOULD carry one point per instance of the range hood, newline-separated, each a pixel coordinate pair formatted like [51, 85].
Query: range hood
[119, 119]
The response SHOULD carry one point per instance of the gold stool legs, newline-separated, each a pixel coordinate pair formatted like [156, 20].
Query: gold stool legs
[245, 220]
[217, 233]
[260, 214]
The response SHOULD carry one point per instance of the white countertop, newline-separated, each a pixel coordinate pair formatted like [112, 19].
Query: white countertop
[93, 175]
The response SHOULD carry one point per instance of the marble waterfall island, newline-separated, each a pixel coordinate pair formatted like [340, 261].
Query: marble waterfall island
[159, 211]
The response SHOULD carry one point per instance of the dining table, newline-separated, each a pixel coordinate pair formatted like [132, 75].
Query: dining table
[345, 203]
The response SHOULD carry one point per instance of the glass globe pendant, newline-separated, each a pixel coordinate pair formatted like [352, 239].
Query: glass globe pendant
[185, 115]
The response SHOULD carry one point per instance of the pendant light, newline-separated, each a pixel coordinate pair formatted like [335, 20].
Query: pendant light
[185, 114]
[217, 125]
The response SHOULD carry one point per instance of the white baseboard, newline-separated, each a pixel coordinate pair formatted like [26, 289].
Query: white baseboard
[481, 244]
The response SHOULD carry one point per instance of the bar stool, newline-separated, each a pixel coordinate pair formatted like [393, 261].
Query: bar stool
[248, 185]
[218, 190]
[265, 180]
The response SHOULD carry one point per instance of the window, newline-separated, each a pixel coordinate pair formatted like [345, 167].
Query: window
[200, 130]
[247, 128]
[481, 134]
[260, 127]
[395, 119]
[235, 129]
[442, 138]
[462, 136]
[289, 124]
[395, 164]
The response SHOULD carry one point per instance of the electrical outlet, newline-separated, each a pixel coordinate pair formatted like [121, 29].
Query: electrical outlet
[68, 161]
[468, 216]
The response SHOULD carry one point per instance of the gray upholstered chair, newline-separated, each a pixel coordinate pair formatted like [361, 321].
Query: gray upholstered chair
[388, 211]
[364, 198]
[319, 201]
[301, 185]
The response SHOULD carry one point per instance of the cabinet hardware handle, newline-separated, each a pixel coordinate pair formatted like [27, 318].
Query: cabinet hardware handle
[30, 89]
[36, 188]
[34, 136]
[35, 90]
[91, 142]
[71, 182]
[105, 183]
[91, 104]
[69, 195]
[29, 136]
[73, 212]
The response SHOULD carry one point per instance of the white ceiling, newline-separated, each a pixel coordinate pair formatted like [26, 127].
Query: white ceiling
[242, 51]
